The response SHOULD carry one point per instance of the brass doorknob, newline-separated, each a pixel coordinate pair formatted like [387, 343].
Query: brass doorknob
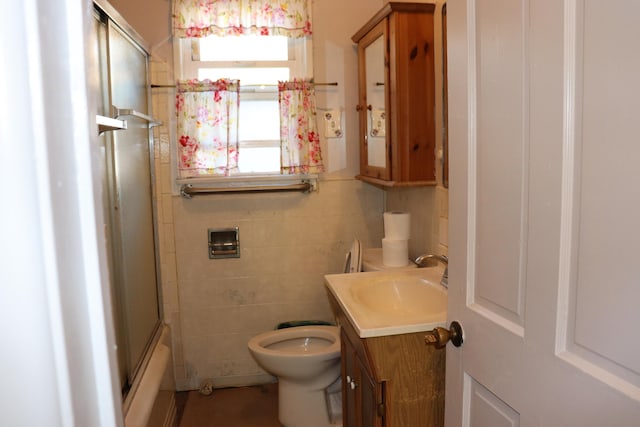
[439, 336]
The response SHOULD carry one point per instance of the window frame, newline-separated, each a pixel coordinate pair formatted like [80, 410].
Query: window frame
[300, 65]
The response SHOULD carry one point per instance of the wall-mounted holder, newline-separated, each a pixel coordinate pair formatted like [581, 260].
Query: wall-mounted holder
[224, 243]
[333, 123]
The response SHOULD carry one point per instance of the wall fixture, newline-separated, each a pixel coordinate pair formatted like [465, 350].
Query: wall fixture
[224, 242]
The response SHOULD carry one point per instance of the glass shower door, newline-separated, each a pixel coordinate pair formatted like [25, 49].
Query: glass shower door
[133, 202]
[129, 171]
[101, 83]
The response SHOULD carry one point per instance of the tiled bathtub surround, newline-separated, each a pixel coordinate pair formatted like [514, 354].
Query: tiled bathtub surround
[288, 241]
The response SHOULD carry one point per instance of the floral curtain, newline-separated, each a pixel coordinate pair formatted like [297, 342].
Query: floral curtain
[299, 139]
[201, 18]
[207, 113]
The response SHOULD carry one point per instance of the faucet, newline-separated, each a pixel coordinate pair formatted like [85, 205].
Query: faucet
[442, 258]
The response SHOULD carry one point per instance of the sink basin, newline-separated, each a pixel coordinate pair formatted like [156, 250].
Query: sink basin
[391, 302]
[400, 295]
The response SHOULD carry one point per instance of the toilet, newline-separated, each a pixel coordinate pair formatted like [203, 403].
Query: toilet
[372, 261]
[306, 360]
[369, 259]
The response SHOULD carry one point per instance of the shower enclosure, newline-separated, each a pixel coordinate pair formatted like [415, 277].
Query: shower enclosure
[128, 186]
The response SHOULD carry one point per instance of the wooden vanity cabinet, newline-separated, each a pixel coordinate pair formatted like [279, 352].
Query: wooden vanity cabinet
[389, 381]
[396, 91]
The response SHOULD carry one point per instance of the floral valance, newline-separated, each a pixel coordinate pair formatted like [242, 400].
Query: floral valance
[201, 18]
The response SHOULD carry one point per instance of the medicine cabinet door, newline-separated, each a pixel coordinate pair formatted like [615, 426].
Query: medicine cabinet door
[373, 104]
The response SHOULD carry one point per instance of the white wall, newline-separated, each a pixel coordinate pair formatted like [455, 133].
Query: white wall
[289, 241]
[152, 20]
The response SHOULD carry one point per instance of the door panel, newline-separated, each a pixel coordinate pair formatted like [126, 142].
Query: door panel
[497, 158]
[487, 408]
[544, 201]
[600, 272]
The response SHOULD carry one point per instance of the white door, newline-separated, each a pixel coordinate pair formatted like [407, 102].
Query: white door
[544, 110]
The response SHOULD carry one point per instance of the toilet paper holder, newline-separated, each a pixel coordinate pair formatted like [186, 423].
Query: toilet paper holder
[224, 242]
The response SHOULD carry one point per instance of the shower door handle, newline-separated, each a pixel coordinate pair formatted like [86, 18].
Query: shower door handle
[119, 112]
[106, 124]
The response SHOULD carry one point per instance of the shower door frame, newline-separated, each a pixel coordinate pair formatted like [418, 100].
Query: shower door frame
[129, 369]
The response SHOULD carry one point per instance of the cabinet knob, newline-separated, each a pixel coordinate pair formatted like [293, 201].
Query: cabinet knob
[369, 107]
[358, 107]
[351, 382]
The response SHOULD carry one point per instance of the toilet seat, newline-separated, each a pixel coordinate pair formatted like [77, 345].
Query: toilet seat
[304, 372]
[353, 263]
[325, 340]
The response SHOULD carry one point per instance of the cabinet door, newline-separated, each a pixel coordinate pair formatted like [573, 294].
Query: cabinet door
[369, 397]
[412, 97]
[348, 396]
[373, 103]
[397, 96]
[361, 394]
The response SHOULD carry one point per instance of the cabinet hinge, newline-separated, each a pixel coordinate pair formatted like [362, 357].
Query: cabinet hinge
[381, 410]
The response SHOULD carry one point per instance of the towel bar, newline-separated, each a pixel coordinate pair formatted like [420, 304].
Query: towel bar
[188, 191]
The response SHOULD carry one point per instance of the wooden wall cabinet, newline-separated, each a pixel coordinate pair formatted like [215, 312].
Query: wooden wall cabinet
[389, 381]
[396, 104]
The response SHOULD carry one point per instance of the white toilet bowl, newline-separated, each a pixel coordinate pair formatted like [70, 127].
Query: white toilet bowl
[306, 360]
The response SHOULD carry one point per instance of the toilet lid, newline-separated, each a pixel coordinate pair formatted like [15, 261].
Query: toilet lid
[354, 258]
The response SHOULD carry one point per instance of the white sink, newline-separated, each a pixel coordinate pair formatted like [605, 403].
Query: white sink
[400, 295]
[391, 302]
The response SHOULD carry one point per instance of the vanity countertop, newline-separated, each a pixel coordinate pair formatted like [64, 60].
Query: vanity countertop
[391, 302]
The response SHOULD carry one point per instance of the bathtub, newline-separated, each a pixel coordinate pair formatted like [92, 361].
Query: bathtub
[151, 401]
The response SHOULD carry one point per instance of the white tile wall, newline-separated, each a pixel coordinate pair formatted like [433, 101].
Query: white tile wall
[288, 241]
[420, 202]
[162, 105]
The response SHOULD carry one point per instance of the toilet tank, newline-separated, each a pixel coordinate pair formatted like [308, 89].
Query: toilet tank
[372, 261]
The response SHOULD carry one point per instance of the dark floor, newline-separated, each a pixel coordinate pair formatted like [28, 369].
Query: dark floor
[255, 406]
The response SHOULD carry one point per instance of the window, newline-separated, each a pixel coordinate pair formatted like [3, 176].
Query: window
[259, 62]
